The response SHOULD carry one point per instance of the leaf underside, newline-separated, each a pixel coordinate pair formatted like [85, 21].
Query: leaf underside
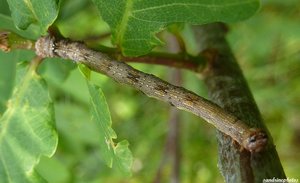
[118, 155]
[26, 129]
[7, 73]
[134, 23]
[27, 12]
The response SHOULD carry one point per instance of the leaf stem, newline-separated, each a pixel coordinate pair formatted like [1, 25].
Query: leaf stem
[9, 41]
[35, 62]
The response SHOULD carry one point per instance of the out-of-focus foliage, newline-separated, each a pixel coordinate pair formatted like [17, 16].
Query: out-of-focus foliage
[267, 47]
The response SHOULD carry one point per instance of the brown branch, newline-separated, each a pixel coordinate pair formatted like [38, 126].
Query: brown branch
[180, 61]
[176, 60]
[228, 88]
[10, 41]
[249, 138]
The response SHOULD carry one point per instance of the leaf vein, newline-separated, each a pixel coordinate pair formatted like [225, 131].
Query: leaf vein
[124, 22]
[213, 6]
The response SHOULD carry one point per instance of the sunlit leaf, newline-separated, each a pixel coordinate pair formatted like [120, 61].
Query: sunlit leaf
[117, 155]
[26, 12]
[134, 23]
[26, 129]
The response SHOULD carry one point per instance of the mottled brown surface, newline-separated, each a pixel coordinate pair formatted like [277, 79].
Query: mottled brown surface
[147, 83]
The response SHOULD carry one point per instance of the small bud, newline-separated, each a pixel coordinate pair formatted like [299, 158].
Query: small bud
[4, 41]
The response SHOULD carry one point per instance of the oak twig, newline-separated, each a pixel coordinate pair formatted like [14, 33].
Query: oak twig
[252, 139]
[171, 154]
[178, 60]
[9, 41]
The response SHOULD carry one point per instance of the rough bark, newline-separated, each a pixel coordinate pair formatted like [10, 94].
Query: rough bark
[228, 88]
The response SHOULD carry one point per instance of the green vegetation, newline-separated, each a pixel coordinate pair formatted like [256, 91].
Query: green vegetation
[267, 47]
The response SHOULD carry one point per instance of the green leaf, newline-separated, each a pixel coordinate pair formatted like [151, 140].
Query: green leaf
[7, 23]
[118, 155]
[134, 23]
[26, 129]
[26, 12]
[4, 9]
[85, 71]
[8, 63]
[53, 170]
[7, 74]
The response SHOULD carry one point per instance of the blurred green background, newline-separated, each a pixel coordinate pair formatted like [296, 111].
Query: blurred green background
[267, 47]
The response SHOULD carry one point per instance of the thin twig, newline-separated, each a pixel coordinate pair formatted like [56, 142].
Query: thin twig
[251, 139]
[171, 152]
[172, 149]
[9, 41]
[178, 60]
[173, 139]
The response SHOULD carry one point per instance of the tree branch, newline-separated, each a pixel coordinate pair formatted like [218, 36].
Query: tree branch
[10, 41]
[228, 88]
[178, 60]
[252, 139]
[181, 61]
